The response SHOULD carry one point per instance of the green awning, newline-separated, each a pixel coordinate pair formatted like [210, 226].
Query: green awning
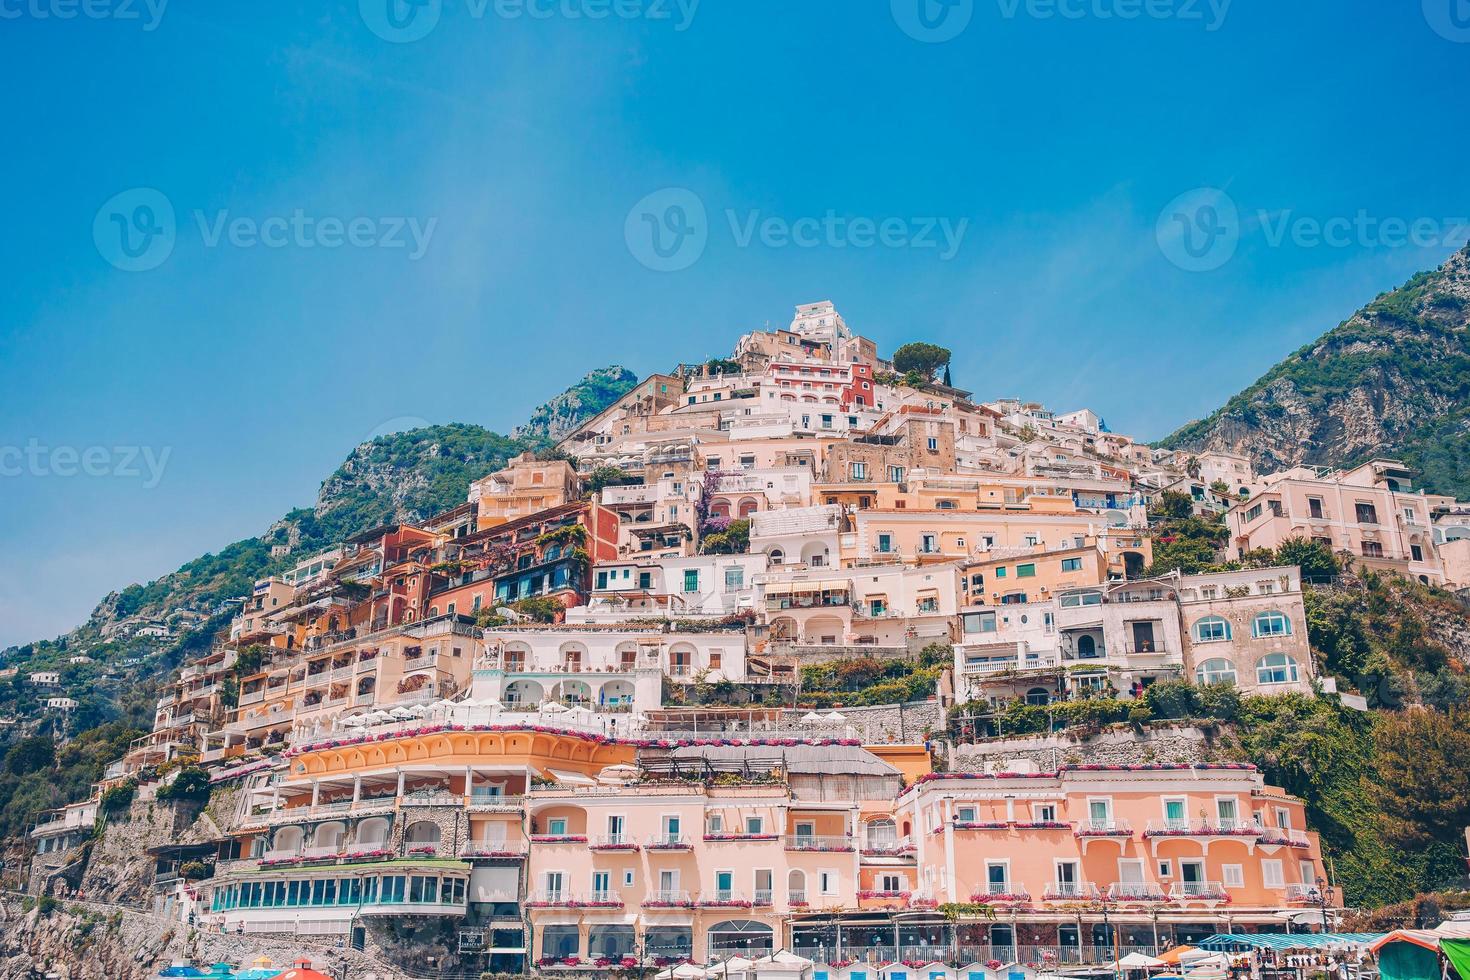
[1407, 961]
[1457, 951]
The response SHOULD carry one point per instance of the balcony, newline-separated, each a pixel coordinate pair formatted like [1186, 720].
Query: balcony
[1136, 891]
[1002, 893]
[1071, 891]
[613, 842]
[1303, 894]
[723, 898]
[1283, 837]
[1200, 891]
[492, 802]
[670, 842]
[1181, 827]
[1103, 828]
[889, 848]
[562, 899]
[808, 842]
[669, 900]
[1147, 648]
[488, 849]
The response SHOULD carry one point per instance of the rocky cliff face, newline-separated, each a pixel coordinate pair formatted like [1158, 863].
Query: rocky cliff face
[1392, 380]
[560, 416]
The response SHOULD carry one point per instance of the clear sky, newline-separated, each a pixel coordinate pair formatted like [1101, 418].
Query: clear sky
[187, 348]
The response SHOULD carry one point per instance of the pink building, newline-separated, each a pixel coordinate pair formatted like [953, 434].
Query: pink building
[1369, 513]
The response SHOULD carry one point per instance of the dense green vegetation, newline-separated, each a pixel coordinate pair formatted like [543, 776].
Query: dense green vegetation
[38, 775]
[921, 358]
[862, 681]
[1408, 347]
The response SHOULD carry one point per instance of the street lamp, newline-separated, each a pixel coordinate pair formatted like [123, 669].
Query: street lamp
[1321, 896]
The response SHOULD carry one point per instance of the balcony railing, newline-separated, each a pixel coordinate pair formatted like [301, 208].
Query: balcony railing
[1009, 892]
[1201, 890]
[668, 899]
[563, 898]
[1136, 891]
[889, 848]
[613, 842]
[669, 842]
[1296, 892]
[1284, 836]
[1183, 827]
[1103, 828]
[1071, 891]
[808, 842]
[724, 898]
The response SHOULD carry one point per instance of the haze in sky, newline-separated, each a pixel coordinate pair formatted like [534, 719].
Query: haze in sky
[245, 237]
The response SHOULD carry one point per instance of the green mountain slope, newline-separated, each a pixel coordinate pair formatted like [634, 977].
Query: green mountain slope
[404, 476]
[1393, 379]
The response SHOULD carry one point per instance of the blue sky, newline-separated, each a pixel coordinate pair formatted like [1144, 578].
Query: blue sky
[1054, 136]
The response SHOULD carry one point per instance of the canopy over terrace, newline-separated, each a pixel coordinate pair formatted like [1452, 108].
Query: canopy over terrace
[1242, 942]
[1414, 954]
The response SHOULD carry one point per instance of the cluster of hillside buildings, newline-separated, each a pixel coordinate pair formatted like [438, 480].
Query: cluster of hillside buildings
[407, 745]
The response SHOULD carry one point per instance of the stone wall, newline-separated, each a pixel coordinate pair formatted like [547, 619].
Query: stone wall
[903, 723]
[1123, 746]
[88, 941]
[119, 868]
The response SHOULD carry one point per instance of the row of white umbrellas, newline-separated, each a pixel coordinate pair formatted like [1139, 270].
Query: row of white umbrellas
[831, 718]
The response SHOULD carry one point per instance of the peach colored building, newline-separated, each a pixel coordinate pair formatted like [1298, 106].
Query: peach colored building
[526, 485]
[1369, 514]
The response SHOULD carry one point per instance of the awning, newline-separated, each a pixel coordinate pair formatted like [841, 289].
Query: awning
[1237, 941]
[572, 778]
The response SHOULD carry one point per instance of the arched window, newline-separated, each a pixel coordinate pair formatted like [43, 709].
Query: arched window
[776, 556]
[1276, 668]
[553, 552]
[1038, 695]
[1216, 671]
[1086, 647]
[1272, 623]
[796, 886]
[1211, 629]
[881, 832]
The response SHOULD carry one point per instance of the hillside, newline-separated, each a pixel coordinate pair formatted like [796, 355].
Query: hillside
[404, 476]
[1393, 379]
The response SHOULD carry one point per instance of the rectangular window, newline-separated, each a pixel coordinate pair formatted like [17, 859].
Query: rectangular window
[1027, 570]
[753, 825]
[691, 580]
[1314, 507]
[1233, 875]
[885, 544]
[1366, 513]
[1071, 564]
[895, 474]
[602, 580]
[1416, 553]
[734, 578]
[980, 622]
[1372, 549]
[934, 445]
[1272, 875]
[859, 471]
[645, 580]
[1000, 571]
[930, 544]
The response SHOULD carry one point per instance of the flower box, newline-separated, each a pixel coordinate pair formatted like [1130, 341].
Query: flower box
[427, 850]
[724, 903]
[624, 846]
[559, 838]
[1001, 898]
[866, 893]
[659, 903]
[980, 825]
